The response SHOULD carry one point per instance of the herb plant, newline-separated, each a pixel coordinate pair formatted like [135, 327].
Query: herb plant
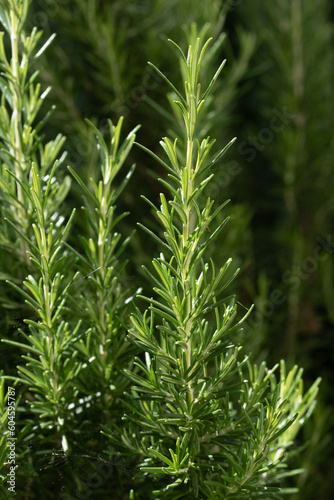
[204, 423]
[34, 227]
[170, 388]
[293, 179]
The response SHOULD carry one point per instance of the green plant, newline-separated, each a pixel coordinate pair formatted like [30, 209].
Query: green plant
[293, 206]
[200, 419]
[33, 226]
[203, 422]
[104, 298]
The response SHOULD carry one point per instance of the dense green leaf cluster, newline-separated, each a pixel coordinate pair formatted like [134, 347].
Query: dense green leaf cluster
[170, 388]
[214, 431]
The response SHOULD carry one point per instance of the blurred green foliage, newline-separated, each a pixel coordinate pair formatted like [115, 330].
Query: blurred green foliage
[277, 98]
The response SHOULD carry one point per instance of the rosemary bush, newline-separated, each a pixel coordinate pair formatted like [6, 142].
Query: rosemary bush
[179, 410]
[293, 179]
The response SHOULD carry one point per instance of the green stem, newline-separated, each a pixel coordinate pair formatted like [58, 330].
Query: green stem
[102, 269]
[295, 161]
[187, 229]
[17, 152]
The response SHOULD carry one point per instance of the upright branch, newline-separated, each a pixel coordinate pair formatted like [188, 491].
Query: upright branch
[34, 225]
[104, 299]
[21, 100]
[198, 423]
